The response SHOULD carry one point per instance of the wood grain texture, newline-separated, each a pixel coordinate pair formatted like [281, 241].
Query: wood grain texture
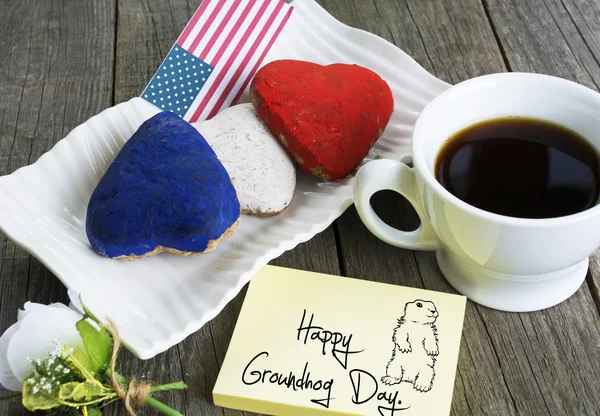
[552, 37]
[146, 30]
[508, 362]
[569, 48]
[453, 40]
[64, 61]
[56, 72]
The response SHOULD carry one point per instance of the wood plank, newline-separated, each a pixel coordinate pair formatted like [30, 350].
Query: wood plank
[580, 18]
[501, 369]
[553, 37]
[145, 33]
[453, 40]
[55, 74]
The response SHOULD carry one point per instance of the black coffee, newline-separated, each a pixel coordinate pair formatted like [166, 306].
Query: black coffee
[520, 167]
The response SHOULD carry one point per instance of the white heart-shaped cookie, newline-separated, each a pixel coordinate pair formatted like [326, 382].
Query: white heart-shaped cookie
[261, 171]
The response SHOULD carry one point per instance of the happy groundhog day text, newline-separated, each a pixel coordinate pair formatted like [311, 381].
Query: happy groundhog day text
[364, 385]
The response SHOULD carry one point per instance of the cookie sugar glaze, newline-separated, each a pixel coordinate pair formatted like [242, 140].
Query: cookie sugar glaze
[261, 170]
[165, 191]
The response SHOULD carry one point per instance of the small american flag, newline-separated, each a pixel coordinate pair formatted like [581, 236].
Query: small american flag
[215, 57]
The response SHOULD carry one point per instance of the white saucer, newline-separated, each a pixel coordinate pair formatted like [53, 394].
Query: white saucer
[511, 293]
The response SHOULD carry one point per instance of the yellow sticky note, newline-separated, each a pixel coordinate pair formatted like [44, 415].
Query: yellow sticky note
[314, 344]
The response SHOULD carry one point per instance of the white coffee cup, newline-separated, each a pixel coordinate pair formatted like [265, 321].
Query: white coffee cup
[511, 264]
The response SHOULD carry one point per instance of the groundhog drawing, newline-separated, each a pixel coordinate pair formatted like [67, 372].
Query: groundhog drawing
[415, 347]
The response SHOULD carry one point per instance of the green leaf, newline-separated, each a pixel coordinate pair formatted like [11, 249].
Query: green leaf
[79, 362]
[39, 401]
[80, 392]
[87, 312]
[94, 411]
[69, 411]
[98, 345]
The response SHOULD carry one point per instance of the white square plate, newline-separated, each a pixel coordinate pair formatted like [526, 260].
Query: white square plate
[158, 301]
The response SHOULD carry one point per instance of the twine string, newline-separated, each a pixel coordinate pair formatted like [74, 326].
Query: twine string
[137, 391]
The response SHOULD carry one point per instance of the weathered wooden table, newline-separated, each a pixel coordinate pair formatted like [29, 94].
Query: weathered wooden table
[62, 61]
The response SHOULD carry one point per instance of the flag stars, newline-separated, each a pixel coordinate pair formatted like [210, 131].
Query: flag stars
[178, 82]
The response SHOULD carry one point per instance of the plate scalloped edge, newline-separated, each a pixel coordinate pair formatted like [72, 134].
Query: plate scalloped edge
[159, 301]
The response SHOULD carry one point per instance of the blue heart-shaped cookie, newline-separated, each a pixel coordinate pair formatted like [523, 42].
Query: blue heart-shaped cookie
[165, 190]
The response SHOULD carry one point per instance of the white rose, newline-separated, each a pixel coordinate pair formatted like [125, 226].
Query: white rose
[37, 331]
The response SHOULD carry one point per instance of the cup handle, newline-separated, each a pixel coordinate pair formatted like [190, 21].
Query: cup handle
[396, 176]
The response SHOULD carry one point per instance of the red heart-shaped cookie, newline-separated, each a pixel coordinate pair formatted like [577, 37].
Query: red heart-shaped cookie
[328, 117]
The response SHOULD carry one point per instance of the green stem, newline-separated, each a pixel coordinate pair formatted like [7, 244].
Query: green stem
[178, 385]
[11, 396]
[151, 401]
[161, 407]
